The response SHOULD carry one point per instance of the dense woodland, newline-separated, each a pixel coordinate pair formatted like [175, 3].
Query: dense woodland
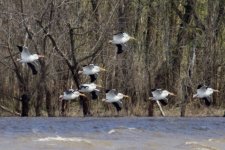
[180, 44]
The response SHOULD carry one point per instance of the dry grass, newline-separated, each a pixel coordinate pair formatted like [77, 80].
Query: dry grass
[99, 109]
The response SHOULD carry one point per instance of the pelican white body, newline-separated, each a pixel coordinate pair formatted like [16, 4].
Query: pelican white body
[158, 95]
[120, 38]
[113, 98]
[88, 87]
[91, 70]
[29, 59]
[204, 93]
[71, 96]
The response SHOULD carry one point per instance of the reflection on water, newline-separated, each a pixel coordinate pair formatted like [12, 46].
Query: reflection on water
[112, 133]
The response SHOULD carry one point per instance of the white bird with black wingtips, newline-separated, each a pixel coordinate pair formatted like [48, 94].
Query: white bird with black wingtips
[120, 39]
[112, 96]
[90, 88]
[27, 57]
[160, 95]
[91, 70]
[204, 92]
[70, 94]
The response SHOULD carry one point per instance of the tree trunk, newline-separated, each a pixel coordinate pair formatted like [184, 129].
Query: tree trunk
[182, 39]
[148, 39]
[25, 105]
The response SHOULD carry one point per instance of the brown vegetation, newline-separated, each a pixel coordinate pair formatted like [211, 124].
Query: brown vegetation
[180, 43]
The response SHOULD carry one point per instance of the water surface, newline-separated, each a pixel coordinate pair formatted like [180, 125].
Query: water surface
[69, 133]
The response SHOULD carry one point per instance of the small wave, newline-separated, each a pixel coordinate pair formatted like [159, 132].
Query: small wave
[199, 146]
[120, 129]
[190, 143]
[64, 139]
[111, 131]
[131, 128]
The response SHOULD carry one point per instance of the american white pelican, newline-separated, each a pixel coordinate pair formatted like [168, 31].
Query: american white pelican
[112, 96]
[27, 57]
[204, 92]
[91, 70]
[90, 88]
[120, 39]
[160, 95]
[70, 94]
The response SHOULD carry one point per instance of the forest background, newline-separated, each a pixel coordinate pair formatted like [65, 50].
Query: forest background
[180, 44]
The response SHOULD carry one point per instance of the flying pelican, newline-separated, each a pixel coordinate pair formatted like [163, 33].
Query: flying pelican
[91, 70]
[27, 57]
[160, 95]
[120, 39]
[204, 92]
[112, 96]
[90, 88]
[70, 94]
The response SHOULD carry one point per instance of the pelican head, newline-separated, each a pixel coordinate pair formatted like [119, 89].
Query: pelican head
[36, 56]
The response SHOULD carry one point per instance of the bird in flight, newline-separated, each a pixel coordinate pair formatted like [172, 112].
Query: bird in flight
[160, 95]
[28, 58]
[92, 71]
[119, 39]
[70, 94]
[90, 88]
[114, 97]
[204, 92]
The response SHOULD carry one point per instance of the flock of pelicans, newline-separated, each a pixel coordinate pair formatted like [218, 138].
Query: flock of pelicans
[112, 95]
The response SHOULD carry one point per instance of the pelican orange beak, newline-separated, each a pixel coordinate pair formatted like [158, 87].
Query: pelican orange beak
[18, 59]
[216, 91]
[102, 69]
[80, 72]
[110, 41]
[60, 97]
[132, 38]
[41, 56]
[82, 95]
[126, 96]
[172, 94]
[99, 86]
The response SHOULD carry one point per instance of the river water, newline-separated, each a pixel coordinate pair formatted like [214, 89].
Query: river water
[131, 133]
